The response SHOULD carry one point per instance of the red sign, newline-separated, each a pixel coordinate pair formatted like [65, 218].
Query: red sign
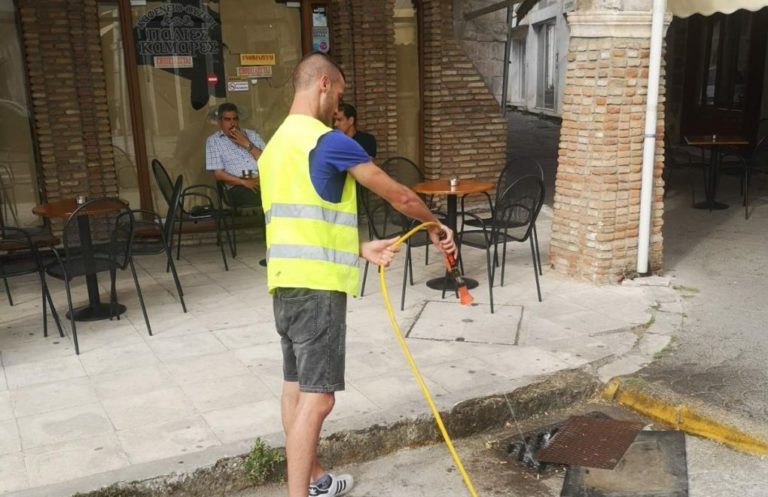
[212, 79]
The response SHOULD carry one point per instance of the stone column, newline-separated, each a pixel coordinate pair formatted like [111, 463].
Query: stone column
[69, 97]
[597, 191]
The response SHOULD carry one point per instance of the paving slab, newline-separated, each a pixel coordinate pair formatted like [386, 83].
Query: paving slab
[135, 406]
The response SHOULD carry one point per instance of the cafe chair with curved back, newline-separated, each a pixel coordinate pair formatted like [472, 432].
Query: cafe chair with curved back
[41, 236]
[254, 210]
[513, 219]
[678, 158]
[99, 243]
[507, 176]
[205, 210]
[152, 235]
[757, 163]
[384, 222]
[21, 256]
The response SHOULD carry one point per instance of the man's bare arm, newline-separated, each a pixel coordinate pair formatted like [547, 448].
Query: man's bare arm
[403, 199]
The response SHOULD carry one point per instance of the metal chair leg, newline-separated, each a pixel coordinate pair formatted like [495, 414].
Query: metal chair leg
[53, 310]
[176, 279]
[72, 316]
[8, 291]
[221, 245]
[538, 251]
[178, 240]
[535, 269]
[141, 297]
[365, 277]
[405, 275]
[491, 273]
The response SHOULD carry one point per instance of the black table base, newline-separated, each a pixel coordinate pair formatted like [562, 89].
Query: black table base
[450, 285]
[97, 313]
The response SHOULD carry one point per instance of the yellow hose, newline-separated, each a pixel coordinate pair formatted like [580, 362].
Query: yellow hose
[415, 370]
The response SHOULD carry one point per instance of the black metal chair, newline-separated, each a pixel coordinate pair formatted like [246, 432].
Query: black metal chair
[756, 163]
[386, 222]
[20, 256]
[513, 219]
[507, 176]
[152, 235]
[254, 210]
[680, 158]
[101, 243]
[205, 210]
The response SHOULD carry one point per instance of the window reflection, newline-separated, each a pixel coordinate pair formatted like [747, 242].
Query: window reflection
[18, 171]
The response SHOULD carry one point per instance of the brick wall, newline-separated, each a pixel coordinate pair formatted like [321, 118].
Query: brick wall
[464, 131]
[364, 41]
[69, 97]
[597, 192]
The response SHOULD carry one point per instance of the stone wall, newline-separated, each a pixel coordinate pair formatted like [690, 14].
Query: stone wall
[597, 192]
[364, 41]
[483, 39]
[68, 97]
[464, 131]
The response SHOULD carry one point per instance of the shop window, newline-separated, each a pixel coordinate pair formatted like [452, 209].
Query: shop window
[19, 190]
[547, 65]
[723, 79]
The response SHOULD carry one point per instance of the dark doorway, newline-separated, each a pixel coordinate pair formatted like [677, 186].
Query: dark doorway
[723, 88]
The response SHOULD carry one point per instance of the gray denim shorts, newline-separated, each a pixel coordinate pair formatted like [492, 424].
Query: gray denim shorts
[312, 328]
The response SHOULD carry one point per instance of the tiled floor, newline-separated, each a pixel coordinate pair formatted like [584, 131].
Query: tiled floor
[209, 381]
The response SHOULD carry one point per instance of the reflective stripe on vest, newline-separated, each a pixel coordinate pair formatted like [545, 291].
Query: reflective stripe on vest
[313, 253]
[314, 212]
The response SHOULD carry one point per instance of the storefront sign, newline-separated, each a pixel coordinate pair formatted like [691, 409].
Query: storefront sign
[176, 32]
[254, 71]
[321, 39]
[234, 85]
[172, 61]
[257, 59]
[181, 30]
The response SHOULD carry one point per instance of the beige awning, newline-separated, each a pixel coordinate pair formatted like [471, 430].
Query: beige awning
[685, 8]
[679, 8]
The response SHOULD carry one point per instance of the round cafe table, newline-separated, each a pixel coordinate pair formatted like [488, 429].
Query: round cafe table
[443, 187]
[63, 209]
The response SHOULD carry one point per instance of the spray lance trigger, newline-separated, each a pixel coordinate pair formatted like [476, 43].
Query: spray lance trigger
[453, 269]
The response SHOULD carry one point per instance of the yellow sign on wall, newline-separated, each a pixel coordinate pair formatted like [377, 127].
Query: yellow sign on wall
[257, 59]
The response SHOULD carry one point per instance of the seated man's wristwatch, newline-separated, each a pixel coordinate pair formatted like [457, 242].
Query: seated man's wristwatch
[250, 146]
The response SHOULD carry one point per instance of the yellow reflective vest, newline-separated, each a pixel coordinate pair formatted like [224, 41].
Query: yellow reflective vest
[311, 243]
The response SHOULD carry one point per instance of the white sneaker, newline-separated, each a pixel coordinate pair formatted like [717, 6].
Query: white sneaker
[340, 484]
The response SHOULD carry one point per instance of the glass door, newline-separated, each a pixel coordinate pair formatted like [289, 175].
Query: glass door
[119, 102]
[19, 189]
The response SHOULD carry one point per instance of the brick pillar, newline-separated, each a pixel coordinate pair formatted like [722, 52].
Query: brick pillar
[464, 132]
[364, 37]
[597, 191]
[69, 97]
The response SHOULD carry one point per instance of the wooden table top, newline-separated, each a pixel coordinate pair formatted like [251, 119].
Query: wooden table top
[707, 140]
[65, 207]
[443, 187]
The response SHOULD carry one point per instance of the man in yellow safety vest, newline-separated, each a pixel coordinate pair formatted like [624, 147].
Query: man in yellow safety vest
[308, 182]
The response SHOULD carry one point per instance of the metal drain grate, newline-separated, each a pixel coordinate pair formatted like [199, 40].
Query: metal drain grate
[590, 441]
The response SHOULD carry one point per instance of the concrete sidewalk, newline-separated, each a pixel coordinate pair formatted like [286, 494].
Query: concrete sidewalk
[131, 406]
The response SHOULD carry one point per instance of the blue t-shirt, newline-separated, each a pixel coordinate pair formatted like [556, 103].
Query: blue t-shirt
[334, 153]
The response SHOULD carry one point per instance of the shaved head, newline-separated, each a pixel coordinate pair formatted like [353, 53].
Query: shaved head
[312, 67]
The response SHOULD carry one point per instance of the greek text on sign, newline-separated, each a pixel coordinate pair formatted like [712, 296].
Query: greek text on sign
[173, 61]
[257, 59]
[237, 85]
[254, 71]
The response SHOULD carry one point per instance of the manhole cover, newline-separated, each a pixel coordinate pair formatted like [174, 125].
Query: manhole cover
[655, 465]
[590, 441]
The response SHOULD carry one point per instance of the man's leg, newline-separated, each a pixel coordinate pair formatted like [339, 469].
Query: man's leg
[288, 409]
[304, 420]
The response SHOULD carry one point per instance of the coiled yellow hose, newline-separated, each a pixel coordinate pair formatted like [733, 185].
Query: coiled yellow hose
[415, 369]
